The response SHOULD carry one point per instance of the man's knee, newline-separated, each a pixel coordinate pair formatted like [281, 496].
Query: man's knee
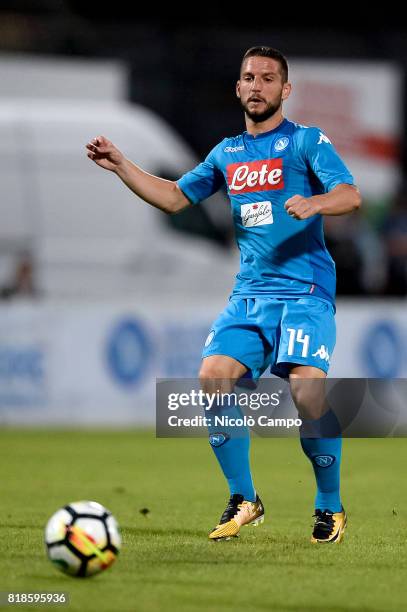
[214, 377]
[219, 373]
[307, 385]
[309, 398]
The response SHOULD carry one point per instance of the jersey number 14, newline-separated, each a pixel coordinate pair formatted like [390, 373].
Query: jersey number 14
[297, 335]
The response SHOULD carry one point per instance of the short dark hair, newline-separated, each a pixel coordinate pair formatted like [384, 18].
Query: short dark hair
[269, 52]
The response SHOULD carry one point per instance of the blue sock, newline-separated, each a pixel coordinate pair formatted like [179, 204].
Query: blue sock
[325, 456]
[231, 446]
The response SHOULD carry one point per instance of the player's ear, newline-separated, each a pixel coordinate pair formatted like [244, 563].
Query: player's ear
[286, 90]
[238, 89]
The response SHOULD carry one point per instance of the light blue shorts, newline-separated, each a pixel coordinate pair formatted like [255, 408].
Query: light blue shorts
[264, 332]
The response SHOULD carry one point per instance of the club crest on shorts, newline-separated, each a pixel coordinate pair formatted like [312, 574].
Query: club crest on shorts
[323, 461]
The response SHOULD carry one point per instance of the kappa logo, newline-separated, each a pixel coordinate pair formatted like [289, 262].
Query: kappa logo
[324, 461]
[323, 138]
[217, 439]
[322, 352]
[281, 144]
[260, 175]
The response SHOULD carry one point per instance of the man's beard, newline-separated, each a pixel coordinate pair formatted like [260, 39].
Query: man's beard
[271, 109]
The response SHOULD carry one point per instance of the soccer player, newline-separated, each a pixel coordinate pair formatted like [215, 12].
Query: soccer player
[281, 178]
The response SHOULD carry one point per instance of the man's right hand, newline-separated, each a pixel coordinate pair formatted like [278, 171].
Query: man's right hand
[159, 192]
[105, 154]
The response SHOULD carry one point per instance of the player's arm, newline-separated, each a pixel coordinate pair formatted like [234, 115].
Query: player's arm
[163, 194]
[341, 200]
[341, 195]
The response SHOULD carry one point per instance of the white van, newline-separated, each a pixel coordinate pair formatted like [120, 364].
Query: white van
[89, 235]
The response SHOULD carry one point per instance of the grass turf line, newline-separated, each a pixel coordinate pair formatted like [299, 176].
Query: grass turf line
[167, 563]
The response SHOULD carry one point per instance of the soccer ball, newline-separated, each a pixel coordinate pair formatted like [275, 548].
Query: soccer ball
[82, 538]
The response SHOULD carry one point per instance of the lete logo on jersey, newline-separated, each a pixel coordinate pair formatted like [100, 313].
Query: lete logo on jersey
[261, 175]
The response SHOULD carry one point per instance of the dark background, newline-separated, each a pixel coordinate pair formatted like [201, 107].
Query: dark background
[184, 64]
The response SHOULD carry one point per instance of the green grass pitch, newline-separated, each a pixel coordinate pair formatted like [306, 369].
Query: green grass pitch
[167, 563]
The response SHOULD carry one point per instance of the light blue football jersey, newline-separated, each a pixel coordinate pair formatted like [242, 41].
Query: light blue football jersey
[279, 256]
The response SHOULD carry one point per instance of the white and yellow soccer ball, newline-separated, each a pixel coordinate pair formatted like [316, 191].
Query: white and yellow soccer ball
[82, 538]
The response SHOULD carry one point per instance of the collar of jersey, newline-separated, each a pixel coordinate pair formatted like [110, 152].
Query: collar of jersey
[266, 134]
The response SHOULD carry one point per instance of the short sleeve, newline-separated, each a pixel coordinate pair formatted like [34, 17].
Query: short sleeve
[203, 181]
[323, 159]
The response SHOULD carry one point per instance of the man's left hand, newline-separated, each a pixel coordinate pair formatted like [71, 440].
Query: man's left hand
[299, 207]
